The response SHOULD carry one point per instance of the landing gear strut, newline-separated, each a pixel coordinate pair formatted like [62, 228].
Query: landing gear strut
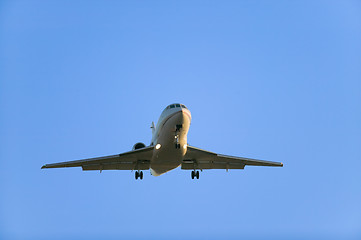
[195, 174]
[176, 144]
[139, 174]
[176, 137]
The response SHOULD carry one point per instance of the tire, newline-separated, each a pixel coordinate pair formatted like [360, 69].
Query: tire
[192, 174]
[197, 174]
[136, 175]
[141, 175]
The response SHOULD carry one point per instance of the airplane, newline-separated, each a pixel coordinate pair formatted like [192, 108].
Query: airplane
[168, 150]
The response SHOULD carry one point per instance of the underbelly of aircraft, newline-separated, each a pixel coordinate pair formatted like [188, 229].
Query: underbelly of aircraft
[165, 159]
[159, 170]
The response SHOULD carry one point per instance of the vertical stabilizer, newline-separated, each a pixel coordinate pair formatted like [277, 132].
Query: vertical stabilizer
[153, 128]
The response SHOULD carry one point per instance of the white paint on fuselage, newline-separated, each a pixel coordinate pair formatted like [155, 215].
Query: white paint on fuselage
[168, 157]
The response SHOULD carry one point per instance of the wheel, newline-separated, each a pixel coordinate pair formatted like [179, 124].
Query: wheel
[136, 175]
[141, 175]
[192, 174]
[197, 174]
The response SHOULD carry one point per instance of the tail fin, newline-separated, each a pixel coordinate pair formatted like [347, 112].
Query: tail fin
[153, 128]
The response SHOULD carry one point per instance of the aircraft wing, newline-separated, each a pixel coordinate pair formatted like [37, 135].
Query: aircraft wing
[134, 160]
[197, 158]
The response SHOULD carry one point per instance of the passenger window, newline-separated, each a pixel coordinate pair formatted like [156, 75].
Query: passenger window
[172, 106]
[177, 105]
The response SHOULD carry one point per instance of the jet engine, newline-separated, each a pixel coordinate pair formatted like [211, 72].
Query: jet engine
[138, 146]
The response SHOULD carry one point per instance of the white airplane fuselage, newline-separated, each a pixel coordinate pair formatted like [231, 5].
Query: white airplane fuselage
[170, 140]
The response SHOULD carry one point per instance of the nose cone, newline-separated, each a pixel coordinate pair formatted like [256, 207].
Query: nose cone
[186, 114]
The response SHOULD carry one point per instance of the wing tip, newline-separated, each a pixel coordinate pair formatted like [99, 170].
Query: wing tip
[44, 166]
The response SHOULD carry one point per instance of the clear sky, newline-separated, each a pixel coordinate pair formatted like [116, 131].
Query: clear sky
[274, 80]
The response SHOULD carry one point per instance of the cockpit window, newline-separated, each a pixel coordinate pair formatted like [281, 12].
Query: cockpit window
[175, 105]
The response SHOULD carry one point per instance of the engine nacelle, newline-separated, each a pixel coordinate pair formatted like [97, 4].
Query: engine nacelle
[138, 146]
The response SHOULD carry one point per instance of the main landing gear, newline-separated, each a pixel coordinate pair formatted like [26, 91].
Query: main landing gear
[195, 174]
[139, 174]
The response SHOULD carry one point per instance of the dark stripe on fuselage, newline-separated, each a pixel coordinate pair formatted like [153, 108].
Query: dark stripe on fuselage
[175, 114]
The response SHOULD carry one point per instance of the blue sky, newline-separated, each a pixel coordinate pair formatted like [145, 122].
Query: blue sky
[274, 80]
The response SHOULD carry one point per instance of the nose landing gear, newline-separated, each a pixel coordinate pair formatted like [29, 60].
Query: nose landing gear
[177, 144]
[178, 127]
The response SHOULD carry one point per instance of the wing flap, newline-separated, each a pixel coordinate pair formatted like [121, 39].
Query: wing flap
[211, 165]
[117, 166]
